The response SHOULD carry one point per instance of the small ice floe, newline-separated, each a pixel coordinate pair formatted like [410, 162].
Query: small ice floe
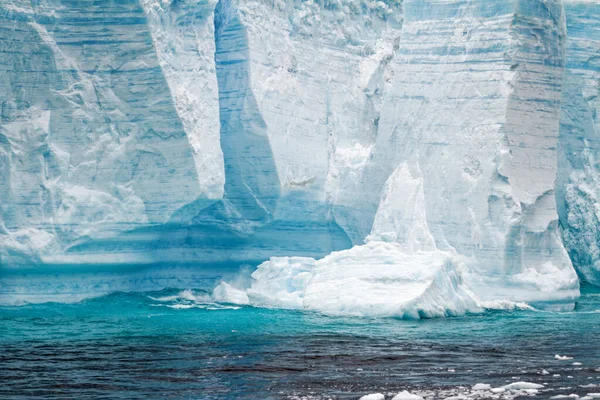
[482, 386]
[522, 386]
[565, 396]
[577, 363]
[498, 390]
[451, 370]
[544, 372]
[373, 396]
[556, 375]
[589, 385]
[562, 358]
[569, 376]
[406, 395]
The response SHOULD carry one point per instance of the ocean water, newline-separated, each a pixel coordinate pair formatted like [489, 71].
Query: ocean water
[178, 344]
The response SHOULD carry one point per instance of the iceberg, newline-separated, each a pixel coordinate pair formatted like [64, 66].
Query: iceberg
[372, 157]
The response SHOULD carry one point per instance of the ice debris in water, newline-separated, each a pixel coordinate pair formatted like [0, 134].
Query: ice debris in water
[481, 391]
[562, 358]
[522, 386]
[374, 396]
[406, 395]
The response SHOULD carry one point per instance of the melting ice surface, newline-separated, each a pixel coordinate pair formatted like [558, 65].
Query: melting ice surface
[180, 343]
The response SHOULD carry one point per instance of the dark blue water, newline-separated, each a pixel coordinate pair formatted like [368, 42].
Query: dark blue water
[179, 345]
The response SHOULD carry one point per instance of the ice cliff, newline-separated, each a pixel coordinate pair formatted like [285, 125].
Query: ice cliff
[432, 157]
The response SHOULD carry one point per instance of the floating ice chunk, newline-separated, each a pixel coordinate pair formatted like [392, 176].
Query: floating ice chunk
[544, 372]
[374, 396]
[522, 386]
[379, 279]
[562, 358]
[565, 396]
[376, 279]
[498, 390]
[577, 363]
[405, 395]
[482, 386]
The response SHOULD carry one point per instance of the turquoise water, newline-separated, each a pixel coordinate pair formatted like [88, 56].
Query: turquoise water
[177, 344]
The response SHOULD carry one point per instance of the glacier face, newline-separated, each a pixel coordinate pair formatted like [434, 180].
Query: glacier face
[478, 121]
[578, 178]
[91, 142]
[153, 143]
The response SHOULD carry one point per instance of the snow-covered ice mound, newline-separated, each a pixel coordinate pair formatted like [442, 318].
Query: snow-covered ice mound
[377, 279]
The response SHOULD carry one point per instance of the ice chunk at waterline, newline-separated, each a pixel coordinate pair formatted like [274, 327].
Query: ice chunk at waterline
[377, 279]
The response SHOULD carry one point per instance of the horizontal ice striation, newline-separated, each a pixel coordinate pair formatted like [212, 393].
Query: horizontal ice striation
[578, 181]
[90, 142]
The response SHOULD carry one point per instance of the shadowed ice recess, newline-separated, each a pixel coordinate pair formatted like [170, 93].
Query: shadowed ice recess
[408, 159]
